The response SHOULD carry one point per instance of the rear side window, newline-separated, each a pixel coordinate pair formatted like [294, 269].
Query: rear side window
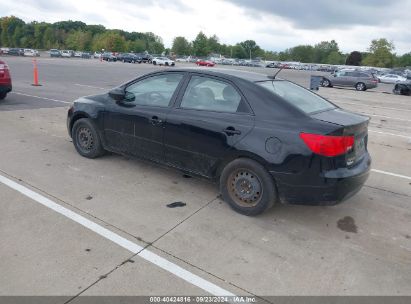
[210, 94]
[297, 96]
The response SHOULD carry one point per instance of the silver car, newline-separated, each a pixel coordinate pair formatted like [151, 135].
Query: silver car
[361, 81]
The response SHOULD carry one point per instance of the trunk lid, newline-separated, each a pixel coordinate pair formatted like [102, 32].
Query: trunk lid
[350, 124]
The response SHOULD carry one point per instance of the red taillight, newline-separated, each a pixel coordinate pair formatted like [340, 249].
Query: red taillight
[328, 145]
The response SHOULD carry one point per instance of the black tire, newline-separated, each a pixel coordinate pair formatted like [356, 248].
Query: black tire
[155, 63]
[397, 90]
[166, 63]
[360, 86]
[3, 95]
[86, 139]
[326, 83]
[247, 187]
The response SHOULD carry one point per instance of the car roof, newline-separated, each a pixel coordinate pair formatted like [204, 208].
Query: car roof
[228, 73]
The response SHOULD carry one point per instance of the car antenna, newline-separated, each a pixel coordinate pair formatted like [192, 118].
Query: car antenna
[275, 75]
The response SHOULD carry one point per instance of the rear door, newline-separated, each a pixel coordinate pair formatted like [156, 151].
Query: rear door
[211, 116]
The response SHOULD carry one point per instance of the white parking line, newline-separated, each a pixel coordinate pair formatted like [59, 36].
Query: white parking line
[377, 107]
[119, 240]
[391, 134]
[392, 174]
[40, 97]
[89, 86]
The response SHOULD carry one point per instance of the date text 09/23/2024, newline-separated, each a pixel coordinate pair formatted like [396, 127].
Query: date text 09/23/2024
[203, 299]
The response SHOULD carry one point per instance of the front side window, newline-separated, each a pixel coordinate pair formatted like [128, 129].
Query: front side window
[204, 93]
[153, 91]
[299, 97]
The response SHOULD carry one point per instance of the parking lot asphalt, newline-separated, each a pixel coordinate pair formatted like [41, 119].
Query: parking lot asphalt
[360, 247]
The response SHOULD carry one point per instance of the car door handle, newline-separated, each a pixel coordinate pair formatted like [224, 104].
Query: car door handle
[155, 121]
[231, 131]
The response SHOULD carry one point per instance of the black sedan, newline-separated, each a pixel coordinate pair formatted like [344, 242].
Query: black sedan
[403, 88]
[108, 57]
[265, 140]
[130, 58]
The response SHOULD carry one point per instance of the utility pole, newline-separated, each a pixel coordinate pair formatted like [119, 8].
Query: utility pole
[250, 54]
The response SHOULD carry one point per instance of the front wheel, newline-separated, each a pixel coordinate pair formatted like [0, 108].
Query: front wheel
[3, 95]
[86, 139]
[247, 187]
[155, 63]
[360, 86]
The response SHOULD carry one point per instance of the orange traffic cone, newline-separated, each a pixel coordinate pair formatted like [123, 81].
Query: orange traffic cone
[35, 74]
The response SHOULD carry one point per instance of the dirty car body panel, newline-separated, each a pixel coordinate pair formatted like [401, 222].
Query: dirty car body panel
[316, 155]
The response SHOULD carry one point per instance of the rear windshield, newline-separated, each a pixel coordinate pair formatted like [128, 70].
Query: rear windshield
[299, 97]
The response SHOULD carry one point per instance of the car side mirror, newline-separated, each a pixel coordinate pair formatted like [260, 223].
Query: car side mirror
[117, 94]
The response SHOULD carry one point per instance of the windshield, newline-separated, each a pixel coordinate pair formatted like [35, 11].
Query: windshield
[299, 97]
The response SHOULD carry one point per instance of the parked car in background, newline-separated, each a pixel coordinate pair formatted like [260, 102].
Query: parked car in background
[183, 59]
[5, 80]
[77, 54]
[67, 53]
[361, 81]
[107, 56]
[129, 57]
[391, 78]
[86, 55]
[402, 88]
[4, 50]
[16, 52]
[97, 55]
[265, 140]
[31, 53]
[55, 53]
[207, 63]
[163, 61]
[272, 65]
[146, 58]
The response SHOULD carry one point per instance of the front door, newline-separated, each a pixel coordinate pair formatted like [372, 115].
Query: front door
[135, 125]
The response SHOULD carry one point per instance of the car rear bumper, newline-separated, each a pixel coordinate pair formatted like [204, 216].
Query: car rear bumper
[5, 88]
[328, 188]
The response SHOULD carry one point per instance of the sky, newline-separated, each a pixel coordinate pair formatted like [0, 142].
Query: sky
[274, 24]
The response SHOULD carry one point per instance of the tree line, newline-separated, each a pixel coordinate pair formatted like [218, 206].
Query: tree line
[74, 35]
[379, 54]
[77, 35]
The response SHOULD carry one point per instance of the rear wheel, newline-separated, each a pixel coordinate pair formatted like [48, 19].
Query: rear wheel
[3, 95]
[326, 83]
[360, 86]
[155, 63]
[397, 90]
[247, 187]
[86, 139]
